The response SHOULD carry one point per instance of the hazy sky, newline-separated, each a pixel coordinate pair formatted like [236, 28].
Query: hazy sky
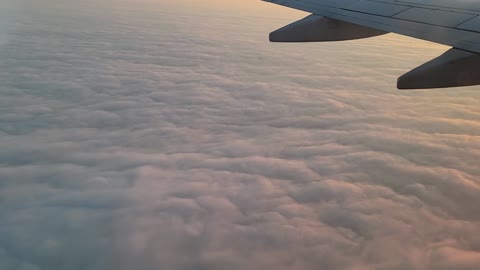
[161, 134]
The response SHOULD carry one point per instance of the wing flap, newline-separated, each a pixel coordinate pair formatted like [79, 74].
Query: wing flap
[471, 25]
[434, 17]
[467, 6]
[376, 8]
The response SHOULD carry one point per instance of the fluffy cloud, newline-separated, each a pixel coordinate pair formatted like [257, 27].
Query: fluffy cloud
[150, 137]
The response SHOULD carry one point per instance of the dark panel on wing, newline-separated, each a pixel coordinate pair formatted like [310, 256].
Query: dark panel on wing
[435, 17]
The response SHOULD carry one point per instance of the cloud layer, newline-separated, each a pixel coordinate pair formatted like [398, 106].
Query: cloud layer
[159, 137]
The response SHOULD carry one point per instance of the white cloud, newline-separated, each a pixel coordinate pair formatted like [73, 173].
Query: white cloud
[125, 145]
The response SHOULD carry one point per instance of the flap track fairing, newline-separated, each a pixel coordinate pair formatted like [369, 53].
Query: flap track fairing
[316, 28]
[452, 69]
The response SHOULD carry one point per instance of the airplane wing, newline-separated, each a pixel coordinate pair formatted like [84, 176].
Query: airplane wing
[455, 23]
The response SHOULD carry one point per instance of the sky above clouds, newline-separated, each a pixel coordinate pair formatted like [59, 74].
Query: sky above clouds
[171, 135]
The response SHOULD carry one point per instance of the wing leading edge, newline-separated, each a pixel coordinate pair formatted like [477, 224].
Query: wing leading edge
[456, 25]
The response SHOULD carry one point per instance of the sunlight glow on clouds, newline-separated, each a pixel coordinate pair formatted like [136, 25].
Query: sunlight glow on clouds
[150, 137]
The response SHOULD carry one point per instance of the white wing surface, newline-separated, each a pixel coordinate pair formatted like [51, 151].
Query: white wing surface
[455, 23]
